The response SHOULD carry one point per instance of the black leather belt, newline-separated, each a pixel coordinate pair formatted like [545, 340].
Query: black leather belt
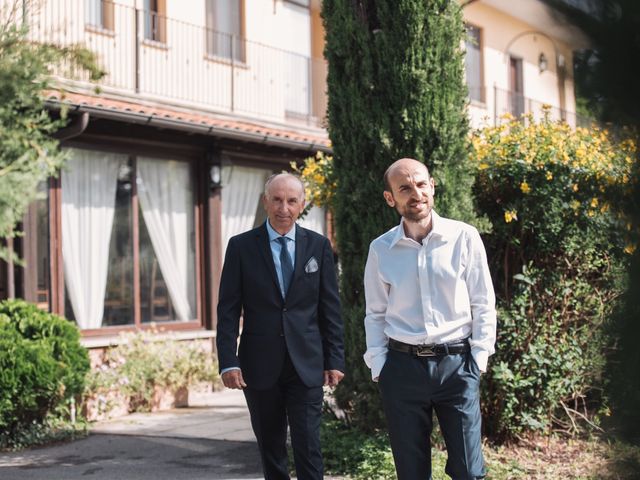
[431, 350]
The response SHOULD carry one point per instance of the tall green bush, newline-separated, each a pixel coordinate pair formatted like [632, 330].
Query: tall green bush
[559, 239]
[42, 365]
[396, 89]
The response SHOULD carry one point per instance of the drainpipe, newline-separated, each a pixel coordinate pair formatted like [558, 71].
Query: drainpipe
[77, 126]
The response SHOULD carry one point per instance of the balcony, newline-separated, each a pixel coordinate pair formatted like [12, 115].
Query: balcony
[501, 102]
[164, 60]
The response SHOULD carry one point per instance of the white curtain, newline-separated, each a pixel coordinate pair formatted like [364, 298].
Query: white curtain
[315, 220]
[93, 12]
[243, 188]
[89, 184]
[164, 190]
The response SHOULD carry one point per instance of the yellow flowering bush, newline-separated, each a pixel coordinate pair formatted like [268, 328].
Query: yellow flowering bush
[317, 174]
[541, 183]
[555, 197]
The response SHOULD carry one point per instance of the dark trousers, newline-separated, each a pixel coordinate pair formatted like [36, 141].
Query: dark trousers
[289, 401]
[411, 388]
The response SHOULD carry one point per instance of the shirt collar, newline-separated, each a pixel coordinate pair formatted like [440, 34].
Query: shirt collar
[437, 228]
[273, 235]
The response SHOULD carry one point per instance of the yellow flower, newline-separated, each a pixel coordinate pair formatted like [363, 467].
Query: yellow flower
[524, 186]
[510, 215]
[483, 166]
[629, 249]
[594, 202]
[575, 187]
[549, 175]
[575, 204]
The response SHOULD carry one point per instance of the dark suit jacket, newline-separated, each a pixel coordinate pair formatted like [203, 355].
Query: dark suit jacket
[307, 322]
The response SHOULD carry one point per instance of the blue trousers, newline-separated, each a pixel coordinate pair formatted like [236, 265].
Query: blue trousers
[411, 388]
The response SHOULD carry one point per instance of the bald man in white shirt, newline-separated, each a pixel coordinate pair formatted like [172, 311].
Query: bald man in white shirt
[430, 326]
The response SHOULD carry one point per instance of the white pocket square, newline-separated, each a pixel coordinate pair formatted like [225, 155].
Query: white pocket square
[311, 266]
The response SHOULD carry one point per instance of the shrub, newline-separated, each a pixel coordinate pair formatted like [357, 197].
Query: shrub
[319, 181]
[554, 198]
[396, 89]
[42, 366]
[146, 361]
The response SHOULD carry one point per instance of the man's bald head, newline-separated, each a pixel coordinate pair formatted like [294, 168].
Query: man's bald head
[283, 200]
[285, 177]
[403, 164]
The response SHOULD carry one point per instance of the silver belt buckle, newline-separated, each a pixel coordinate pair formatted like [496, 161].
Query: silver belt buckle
[425, 350]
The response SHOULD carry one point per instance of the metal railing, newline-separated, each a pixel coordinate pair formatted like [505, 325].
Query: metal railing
[516, 104]
[161, 58]
[498, 104]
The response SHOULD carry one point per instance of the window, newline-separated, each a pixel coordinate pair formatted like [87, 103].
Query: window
[99, 13]
[43, 277]
[224, 29]
[302, 3]
[473, 64]
[128, 240]
[297, 60]
[155, 21]
[516, 90]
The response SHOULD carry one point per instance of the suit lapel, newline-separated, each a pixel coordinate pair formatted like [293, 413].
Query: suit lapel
[301, 255]
[262, 237]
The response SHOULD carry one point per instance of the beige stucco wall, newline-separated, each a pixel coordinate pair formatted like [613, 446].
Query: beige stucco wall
[283, 70]
[275, 77]
[502, 36]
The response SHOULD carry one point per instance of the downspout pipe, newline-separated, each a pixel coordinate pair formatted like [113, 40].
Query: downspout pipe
[77, 126]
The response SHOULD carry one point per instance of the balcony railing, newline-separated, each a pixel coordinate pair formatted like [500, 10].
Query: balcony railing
[500, 102]
[162, 59]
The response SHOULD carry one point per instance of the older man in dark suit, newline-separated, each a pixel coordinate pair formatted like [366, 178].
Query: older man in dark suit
[281, 278]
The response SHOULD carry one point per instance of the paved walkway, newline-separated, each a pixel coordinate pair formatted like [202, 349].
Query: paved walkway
[197, 443]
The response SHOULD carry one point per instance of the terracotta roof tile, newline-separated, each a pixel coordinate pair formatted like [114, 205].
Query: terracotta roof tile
[318, 139]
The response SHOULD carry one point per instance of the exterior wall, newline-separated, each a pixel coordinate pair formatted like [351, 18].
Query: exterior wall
[504, 36]
[280, 81]
[268, 80]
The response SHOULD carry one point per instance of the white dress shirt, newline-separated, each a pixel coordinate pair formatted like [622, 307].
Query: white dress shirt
[438, 291]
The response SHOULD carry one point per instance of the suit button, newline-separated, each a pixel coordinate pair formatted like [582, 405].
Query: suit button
[284, 309]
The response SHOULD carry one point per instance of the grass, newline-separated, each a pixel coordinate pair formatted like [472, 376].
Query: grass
[351, 454]
[51, 431]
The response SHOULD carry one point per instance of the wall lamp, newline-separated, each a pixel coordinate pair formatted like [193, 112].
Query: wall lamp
[215, 176]
[543, 63]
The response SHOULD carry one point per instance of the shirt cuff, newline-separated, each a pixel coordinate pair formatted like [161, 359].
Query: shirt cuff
[225, 370]
[481, 357]
[376, 366]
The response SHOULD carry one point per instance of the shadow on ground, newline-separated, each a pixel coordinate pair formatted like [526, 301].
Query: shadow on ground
[109, 457]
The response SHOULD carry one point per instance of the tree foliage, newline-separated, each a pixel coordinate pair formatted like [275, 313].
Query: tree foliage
[28, 152]
[606, 76]
[554, 196]
[396, 90]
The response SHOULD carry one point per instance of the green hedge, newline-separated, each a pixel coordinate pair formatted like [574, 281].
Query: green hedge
[558, 243]
[42, 366]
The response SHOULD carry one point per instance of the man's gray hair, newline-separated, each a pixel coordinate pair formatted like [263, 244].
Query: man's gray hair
[270, 180]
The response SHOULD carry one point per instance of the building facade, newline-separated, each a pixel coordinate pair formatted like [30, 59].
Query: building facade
[519, 58]
[202, 101]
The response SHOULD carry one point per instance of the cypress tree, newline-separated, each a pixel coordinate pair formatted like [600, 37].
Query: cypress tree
[396, 89]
